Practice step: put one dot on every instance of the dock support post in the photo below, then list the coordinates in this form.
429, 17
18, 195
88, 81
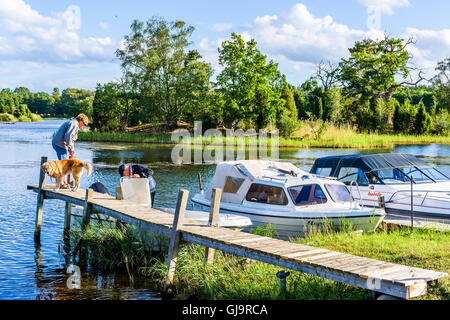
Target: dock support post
175, 237
213, 220
87, 211
66, 231
40, 203
67, 217
118, 197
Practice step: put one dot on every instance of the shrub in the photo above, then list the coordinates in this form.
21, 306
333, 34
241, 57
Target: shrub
441, 124
422, 123
287, 124
7, 117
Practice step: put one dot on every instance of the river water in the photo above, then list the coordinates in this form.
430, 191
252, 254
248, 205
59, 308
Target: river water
29, 272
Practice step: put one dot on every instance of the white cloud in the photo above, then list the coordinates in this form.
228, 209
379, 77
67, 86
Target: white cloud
298, 40
103, 25
299, 36
31, 36
221, 27
208, 49
385, 6
431, 46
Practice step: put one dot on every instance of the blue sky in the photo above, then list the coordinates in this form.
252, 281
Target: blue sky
46, 44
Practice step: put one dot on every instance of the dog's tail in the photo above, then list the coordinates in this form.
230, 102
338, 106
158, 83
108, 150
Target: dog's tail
88, 168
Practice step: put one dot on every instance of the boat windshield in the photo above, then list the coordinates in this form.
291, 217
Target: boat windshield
307, 194
338, 193
403, 175
393, 175
424, 174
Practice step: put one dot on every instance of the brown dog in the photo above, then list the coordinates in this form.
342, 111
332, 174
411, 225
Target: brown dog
60, 168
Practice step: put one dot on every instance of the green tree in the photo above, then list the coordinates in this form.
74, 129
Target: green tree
372, 71
107, 109
404, 115
289, 104
441, 125
75, 101
397, 126
423, 121
441, 85
335, 103
287, 117
299, 99
170, 79
319, 108
247, 78
41, 103
374, 65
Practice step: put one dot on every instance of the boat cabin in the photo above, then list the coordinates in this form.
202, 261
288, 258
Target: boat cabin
273, 183
381, 168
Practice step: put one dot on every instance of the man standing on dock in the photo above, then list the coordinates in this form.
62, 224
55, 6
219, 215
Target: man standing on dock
63, 141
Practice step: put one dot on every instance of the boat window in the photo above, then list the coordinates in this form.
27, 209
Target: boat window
307, 194
393, 175
266, 194
324, 172
232, 184
372, 178
338, 193
349, 174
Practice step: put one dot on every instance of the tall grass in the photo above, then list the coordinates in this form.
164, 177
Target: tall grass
231, 277
427, 248
115, 249
308, 135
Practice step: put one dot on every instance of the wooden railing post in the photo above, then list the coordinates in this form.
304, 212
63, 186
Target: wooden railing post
213, 220
118, 193
40, 202
175, 236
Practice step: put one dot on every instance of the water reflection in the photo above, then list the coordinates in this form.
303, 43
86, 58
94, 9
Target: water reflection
29, 272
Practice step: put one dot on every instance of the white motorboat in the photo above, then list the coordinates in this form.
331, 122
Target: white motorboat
291, 200
396, 177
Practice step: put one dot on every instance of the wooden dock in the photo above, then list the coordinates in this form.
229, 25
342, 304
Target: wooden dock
378, 276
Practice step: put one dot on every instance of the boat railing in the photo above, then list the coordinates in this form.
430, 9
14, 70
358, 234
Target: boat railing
351, 194
282, 179
417, 194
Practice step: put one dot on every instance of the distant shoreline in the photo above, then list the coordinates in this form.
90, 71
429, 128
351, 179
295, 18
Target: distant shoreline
360, 140
9, 118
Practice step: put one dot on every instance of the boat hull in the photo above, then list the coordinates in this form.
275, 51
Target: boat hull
286, 227
430, 201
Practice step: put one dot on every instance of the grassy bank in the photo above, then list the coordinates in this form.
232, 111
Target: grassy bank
309, 135
10, 118
239, 278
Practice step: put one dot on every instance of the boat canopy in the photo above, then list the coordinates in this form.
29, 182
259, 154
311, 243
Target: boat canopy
369, 162
235, 177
